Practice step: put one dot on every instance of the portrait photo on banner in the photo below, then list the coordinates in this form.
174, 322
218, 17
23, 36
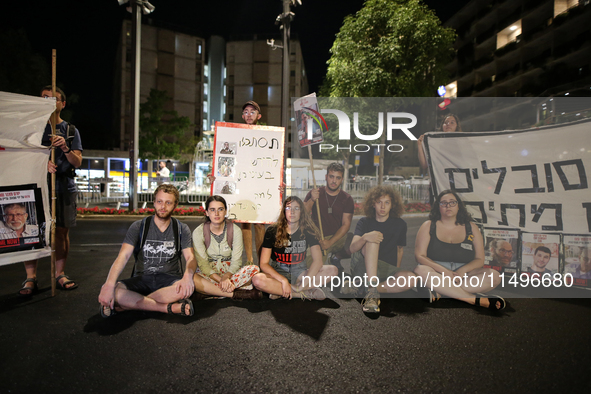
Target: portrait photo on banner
540, 253
501, 249
577, 258
22, 224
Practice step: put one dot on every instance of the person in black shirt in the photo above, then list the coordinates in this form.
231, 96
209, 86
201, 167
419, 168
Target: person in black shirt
377, 247
283, 255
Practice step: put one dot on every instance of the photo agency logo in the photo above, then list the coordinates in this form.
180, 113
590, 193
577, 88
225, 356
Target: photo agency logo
387, 122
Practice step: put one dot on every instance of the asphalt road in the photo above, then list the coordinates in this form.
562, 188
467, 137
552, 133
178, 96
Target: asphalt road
62, 344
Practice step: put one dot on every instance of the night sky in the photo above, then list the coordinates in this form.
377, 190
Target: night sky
85, 34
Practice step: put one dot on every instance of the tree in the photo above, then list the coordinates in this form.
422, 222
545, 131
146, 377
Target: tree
161, 130
390, 48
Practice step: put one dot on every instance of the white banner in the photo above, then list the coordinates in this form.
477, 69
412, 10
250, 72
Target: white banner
24, 162
248, 170
534, 180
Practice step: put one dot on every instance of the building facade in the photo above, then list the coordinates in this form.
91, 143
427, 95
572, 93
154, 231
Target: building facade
521, 48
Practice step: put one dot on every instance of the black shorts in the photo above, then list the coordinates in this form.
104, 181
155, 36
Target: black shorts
147, 284
65, 210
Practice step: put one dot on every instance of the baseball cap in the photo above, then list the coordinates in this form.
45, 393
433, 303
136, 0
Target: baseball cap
255, 105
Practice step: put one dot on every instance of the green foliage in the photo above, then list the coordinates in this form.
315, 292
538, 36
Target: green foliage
162, 130
390, 48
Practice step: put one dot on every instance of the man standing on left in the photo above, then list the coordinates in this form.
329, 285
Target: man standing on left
158, 283
68, 157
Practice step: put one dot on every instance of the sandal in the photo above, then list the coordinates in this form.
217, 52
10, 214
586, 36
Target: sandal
492, 301
67, 282
30, 290
427, 294
107, 311
183, 303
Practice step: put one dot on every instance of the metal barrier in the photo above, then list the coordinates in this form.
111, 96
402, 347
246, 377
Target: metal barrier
358, 190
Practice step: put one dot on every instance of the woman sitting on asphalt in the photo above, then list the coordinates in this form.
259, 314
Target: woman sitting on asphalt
220, 263
283, 256
449, 247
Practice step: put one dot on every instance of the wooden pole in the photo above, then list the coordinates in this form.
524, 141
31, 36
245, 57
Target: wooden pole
53, 123
317, 203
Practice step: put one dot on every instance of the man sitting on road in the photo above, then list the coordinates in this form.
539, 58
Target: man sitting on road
157, 284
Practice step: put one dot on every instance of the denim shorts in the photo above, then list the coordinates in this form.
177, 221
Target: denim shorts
289, 271
147, 284
450, 266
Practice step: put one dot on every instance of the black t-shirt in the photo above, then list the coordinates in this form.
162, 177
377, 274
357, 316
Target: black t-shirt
339, 204
394, 231
295, 252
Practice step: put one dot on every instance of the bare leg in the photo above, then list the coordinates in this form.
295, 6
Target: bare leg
62, 247
319, 280
266, 283
430, 276
247, 241
156, 302
402, 281
370, 253
31, 269
204, 286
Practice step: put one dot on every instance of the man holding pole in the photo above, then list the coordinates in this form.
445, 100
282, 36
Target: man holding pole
336, 211
68, 157
251, 113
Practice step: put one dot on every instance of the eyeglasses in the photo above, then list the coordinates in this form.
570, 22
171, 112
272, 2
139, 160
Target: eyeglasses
49, 97
292, 209
167, 203
445, 204
505, 251
246, 113
14, 215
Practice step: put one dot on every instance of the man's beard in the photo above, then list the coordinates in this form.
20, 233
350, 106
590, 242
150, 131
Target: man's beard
331, 189
165, 216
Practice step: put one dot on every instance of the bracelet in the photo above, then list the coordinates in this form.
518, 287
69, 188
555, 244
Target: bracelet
69, 150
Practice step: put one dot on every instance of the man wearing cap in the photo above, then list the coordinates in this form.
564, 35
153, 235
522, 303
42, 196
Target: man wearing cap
251, 113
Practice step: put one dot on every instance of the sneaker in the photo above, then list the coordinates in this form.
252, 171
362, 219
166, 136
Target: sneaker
371, 302
253, 294
274, 297
313, 294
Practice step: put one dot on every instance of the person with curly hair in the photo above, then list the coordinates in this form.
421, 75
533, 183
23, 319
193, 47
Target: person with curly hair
449, 251
377, 247
284, 270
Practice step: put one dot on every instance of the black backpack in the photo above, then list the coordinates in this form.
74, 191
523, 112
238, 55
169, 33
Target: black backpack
144, 227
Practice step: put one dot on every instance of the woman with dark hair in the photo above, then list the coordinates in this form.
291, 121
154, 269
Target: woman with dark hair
450, 124
220, 263
284, 270
450, 252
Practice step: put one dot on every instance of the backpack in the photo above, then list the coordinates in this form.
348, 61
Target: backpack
229, 231
144, 227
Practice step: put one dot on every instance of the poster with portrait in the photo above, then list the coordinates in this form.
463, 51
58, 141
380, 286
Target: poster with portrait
540, 253
309, 121
577, 259
22, 224
501, 249
249, 179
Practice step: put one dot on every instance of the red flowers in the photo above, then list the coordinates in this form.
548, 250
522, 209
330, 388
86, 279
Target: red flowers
181, 211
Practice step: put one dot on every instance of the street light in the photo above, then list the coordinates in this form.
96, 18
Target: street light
146, 8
